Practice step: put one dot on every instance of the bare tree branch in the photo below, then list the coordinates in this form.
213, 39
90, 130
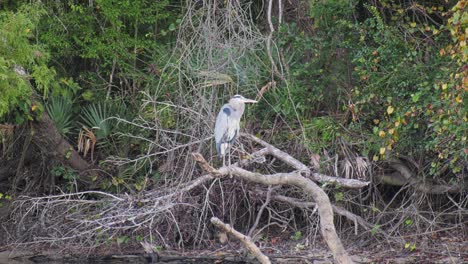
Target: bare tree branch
247, 241
294, 178
296, 164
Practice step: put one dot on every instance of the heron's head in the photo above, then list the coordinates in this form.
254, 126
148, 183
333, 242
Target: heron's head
236, 99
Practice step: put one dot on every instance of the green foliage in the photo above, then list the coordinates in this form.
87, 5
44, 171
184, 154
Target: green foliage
97, 117
66, 173
339, 196
410, 246
321, 132
401, 91
69, 175
61, 112
297, 236
317, 63
375, 229
326, 13
406, 94
18, 53
122, 240
408, 222
109, 40
4, 197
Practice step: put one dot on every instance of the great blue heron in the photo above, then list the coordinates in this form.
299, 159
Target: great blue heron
227, 124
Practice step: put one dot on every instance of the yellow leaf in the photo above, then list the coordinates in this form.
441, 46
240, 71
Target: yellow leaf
381, 133
382, 151
397, 123
458, 99
390, 110
376, 121
34, 108
375, 158
413, 24
391, 131
444, 86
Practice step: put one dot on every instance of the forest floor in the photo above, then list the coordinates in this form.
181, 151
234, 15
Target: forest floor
440, 248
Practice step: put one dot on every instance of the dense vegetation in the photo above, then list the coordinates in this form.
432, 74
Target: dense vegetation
368, 90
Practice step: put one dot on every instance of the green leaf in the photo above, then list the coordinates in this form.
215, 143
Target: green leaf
339, 196
60, 110
415, 97
122, 239
172, 27
297, 236
375, 229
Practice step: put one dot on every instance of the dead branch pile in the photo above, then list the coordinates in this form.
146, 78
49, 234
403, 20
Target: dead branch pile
93, 217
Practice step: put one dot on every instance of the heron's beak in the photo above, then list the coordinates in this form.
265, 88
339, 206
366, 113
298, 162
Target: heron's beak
249, 101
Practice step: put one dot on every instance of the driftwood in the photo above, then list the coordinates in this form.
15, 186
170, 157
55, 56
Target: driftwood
247, 241
299, 178
299, 166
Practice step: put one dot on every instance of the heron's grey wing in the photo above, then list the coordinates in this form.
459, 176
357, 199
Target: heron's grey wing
224, 129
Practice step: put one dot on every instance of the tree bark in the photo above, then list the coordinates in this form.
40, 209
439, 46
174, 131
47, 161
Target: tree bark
58, 147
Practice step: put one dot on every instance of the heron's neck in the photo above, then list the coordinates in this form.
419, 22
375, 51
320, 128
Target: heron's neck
238, 108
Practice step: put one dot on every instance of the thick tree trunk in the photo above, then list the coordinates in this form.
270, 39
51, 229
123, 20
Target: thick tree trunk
47, 135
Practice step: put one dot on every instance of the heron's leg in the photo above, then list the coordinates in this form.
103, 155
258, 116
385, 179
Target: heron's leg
229, 161
229, 153
224, 160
